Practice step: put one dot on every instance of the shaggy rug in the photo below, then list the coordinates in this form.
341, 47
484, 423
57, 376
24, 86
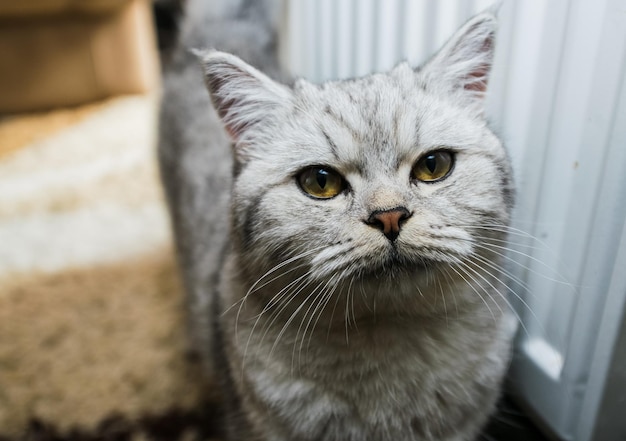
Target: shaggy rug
92, 342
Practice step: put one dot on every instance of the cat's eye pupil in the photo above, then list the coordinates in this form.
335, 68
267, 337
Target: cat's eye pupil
321, 182
322, 178
433, 166
431, 163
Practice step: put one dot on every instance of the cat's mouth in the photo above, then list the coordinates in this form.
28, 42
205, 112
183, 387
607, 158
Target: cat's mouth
395, 264
383, 263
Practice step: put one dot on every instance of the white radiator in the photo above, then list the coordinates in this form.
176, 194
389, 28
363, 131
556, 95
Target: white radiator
558, 98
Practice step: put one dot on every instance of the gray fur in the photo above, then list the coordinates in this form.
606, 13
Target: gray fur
194, 152
325, 329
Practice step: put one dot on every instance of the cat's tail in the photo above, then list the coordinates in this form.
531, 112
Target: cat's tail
263, 12
246, 28
193, 148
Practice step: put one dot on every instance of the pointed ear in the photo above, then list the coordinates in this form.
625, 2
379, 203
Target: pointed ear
464, 63
243, 97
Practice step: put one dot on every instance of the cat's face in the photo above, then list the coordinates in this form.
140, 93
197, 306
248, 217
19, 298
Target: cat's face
379, 176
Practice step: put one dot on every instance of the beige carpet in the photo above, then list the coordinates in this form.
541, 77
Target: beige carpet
91, 314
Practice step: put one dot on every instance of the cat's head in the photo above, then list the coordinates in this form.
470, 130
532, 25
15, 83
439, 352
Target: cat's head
387, 174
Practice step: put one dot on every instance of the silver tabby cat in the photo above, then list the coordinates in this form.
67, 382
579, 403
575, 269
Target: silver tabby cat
339, 242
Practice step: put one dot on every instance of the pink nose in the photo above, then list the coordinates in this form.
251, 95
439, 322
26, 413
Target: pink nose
389, 221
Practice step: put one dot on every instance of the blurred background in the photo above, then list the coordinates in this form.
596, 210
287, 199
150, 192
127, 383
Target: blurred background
86, 271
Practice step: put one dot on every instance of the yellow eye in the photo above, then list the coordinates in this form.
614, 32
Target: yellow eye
433, 166
321, 182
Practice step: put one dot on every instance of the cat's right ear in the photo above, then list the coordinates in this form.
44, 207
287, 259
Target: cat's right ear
463, 64
243, 97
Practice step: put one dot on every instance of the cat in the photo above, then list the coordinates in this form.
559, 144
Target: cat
338, 242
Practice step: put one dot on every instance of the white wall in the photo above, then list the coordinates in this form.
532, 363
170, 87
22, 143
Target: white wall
558, 98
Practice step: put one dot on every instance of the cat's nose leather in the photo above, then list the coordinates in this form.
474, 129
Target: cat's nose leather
389, 221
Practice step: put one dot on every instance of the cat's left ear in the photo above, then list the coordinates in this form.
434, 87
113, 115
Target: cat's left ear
463, 64
245, 98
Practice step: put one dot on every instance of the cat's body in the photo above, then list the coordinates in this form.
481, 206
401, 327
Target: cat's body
356, 295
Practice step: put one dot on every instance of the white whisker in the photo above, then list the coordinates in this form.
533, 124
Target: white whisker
490, 248
475, 290
290, 291
504, 271
317, 301
324, 299
448, 278
503, 297
291, 319
276, 299
242, 301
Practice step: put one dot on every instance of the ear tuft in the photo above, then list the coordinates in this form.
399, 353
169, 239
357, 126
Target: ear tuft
243, 97
464, 63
